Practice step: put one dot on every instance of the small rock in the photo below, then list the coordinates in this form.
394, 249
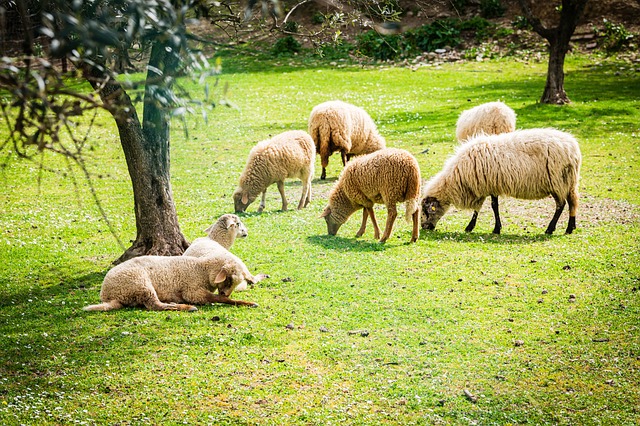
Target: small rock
572, 298
287, 280
289, 326
544, 292
540, 300
566, 267
518, 343
610, 382
324, 329
215, 318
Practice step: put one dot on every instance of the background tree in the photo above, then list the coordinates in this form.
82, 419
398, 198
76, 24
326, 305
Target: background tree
558, 38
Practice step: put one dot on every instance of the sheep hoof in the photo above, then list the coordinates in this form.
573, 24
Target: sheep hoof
192, 309
253, 305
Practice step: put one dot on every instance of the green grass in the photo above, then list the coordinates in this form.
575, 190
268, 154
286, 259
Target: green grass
381, 334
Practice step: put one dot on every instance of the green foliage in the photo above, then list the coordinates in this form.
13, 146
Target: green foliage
349, 331
614, 37
491, 8
379, 46
286, 46
291, 26
318, 18
443, 32
479, 26
521, 23
335, 50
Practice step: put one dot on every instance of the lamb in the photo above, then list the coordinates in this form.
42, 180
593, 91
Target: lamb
173, 283
491, 118
288, 155
224, 232
221, 236
387, 176
527, 164
339, 126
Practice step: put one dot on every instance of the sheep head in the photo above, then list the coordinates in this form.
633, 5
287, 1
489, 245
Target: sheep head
241, 200
228, 278
333, 223
432, 211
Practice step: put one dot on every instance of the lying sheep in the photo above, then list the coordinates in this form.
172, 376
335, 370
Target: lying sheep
527, 164
388, 176
491, 118
167, 283
287, 155
339, 126
224, 232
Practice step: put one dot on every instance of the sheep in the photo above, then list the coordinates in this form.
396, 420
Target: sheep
173, 283
527, 164
224, 232
221, 236
288, 155
339, 126
387, 176
491, 118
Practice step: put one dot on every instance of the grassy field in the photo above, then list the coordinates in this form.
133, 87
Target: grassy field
538, 329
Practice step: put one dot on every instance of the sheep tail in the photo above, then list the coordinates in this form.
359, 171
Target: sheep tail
411, 206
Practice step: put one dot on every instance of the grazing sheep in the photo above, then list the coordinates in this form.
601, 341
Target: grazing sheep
491, 118
166, 283
287, 155
339, 126
388, 176
527, 164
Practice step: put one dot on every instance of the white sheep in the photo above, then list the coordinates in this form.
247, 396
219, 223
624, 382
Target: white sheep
388, 176
527, 164
288, 155
221, 236
491, 118
340, 126
173, 283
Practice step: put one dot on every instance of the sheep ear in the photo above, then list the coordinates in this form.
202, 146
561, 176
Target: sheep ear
326, 212
222, 275
208, 229
231, 225
245, 198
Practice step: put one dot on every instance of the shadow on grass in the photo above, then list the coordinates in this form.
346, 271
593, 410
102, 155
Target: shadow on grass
341, 244
477, 237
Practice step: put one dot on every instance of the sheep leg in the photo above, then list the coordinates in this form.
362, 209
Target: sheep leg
262, 201
415, 233
284, 199
363, 226
496, 214
573, 207
344, 157
376, 230
554, 221
219, 298
391, 218
472, 223
324, 160
157, 305
305, 198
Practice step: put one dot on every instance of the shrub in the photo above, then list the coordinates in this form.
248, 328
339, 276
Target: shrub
291, 26
336, 50
444, 32
459, 5
286, 46
318, 18
480, 27
491, 9
378, 46
521, 23
614, 36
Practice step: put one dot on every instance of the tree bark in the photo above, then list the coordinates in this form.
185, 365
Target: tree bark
146, 150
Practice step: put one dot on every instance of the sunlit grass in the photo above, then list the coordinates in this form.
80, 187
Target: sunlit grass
540, 329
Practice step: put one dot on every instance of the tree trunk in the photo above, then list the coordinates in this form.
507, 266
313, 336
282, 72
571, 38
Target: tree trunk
554, 88
146, 150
